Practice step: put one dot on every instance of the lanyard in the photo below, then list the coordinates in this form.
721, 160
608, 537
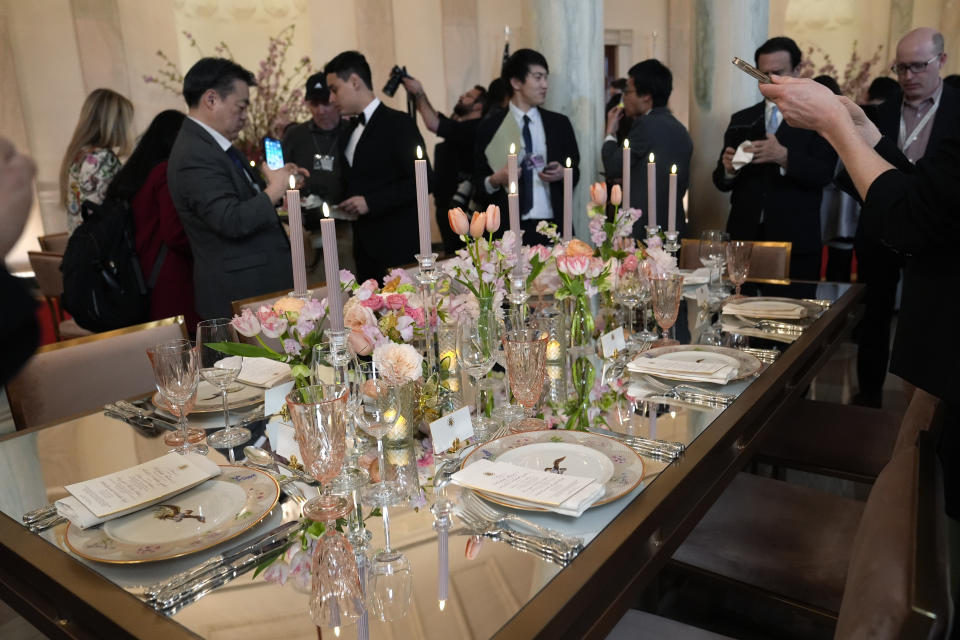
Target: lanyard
906, 140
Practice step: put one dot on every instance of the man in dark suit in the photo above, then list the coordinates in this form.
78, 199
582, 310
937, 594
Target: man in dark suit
654, 130
381, 187
776, 195
239, 248
547, 140
919, 120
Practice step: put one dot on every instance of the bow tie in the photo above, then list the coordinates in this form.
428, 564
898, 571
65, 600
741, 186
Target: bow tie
358, 120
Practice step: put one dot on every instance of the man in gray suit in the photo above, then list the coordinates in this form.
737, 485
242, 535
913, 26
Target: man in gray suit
655, 130
239, 248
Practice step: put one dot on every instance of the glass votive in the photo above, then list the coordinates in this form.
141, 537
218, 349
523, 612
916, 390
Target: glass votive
508, 416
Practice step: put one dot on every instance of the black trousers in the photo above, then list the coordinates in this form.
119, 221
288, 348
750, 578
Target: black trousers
878, 267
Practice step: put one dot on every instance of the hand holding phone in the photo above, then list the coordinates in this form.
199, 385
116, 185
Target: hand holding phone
273, 152
751, 70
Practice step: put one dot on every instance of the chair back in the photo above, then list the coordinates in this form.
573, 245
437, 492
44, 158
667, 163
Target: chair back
897, 584
769, 262
54, 243
77, 376
46, 269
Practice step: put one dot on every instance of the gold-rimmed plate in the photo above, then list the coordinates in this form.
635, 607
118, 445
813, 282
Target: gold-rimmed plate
747, 364
215, 511
209, 400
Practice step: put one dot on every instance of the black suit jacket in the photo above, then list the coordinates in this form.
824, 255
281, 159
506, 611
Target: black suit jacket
561, 144
383, 173
239, 248
790, 204
661, 133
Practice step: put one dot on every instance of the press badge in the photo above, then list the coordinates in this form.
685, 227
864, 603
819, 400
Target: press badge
322, 162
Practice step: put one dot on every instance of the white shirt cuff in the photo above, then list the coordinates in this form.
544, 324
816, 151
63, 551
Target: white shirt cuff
489, 187
610, 138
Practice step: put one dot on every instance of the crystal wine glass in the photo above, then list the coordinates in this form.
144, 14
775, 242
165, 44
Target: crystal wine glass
220, 370
336, 595
667, 292
389, 581
175, 438
176, 370
476, 348
711, 254
379, 411
628, 292
738, 263
526, 354
318, 413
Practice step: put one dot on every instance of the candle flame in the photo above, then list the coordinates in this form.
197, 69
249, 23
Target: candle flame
513, 187
513, 149
336, 631
442, 604
253, 164
419, 153
626, 143
673, 168
569, 164
326, 210
673, 414
293, 183
651, 157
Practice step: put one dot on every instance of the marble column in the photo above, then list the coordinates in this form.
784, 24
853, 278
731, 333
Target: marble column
722, 29
569, 33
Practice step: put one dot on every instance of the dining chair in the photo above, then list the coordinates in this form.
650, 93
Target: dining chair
319, 291
833, 560
76, 376
769, 263
54, 242
46, 270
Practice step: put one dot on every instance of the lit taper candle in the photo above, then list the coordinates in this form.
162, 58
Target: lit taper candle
295, 222
423, 208
626, 174
652, 192
672, 205
331, 266
568, 201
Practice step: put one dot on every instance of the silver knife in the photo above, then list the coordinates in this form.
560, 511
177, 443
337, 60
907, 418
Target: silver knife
673, 446
144, 426
270, 538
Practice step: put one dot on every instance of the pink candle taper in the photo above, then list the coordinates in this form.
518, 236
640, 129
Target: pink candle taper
423, 207
626, 174
295, 221
512, 165
672, 205
331, 267
652, 192
567, 202
513, 204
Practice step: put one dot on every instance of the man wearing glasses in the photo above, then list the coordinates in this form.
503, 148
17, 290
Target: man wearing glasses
926, 114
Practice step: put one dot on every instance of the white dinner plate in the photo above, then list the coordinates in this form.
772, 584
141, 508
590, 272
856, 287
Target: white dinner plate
573, 459
209, 399
746, 364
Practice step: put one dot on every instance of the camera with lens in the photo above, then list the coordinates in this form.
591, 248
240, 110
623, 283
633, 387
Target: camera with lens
397, 74
464, 191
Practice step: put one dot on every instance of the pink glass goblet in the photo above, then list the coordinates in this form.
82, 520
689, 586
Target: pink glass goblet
667, 293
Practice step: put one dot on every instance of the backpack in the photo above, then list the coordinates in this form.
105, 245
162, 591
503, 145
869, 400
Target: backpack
103, 285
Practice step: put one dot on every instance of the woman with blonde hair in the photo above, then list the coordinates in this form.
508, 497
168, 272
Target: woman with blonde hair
91, 158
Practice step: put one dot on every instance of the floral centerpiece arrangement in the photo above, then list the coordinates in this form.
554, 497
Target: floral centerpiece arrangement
484, 264
377, 314
613, 238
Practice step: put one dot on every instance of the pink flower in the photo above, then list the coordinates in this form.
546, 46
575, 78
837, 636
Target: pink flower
629, 264
367, 289
539, 250
356, 315
478, 224
458, 221
577, 247
246, 323
399, 363
313, 309
598, 193
396, 301
616, 195
595, 268
573, 265
304, 326
374, 302
493, 218
291, 347
273, 325
400, 275
418, 315
361, 345
346, 278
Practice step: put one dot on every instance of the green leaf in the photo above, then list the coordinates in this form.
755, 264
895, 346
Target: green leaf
300, 371
245, 350
270, 558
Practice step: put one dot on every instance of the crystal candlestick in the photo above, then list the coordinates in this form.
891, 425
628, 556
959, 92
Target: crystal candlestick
427, 278
653, 231
442, 510
518, 298
672, 243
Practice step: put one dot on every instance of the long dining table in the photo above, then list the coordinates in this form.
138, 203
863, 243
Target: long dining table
496, 592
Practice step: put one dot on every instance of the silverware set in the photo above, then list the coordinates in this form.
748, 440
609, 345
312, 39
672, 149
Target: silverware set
768, 356
658, 449
689, 392
773, 326
46, 517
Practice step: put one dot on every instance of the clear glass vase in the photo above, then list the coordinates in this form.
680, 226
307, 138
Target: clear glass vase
583, 372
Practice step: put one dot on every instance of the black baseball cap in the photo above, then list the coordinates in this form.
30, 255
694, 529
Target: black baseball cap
317, 90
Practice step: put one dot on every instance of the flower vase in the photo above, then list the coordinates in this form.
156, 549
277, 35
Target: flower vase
582, 370
408, 422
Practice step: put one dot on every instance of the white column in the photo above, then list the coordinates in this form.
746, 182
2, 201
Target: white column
569, 33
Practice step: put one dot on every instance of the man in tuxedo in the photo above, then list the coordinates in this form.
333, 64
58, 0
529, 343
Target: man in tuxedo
776, 194
547, 141
239, 248
654, 130
919, 120
380, 149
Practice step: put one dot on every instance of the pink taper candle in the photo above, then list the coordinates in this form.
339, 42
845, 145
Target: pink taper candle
423, 208
672, 205
652, 192
295, 221
626, 174
512, 165
568, 202
331, 267
513, 204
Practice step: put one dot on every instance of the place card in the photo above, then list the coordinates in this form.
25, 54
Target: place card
275, 398
142, 485
612, 343
529, 485
453, 426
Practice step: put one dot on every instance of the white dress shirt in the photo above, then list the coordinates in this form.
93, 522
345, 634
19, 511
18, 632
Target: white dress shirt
358, 131
541, 209
225, 144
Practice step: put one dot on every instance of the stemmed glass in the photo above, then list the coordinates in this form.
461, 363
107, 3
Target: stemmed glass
711, 254
220, 370
176, 370
378, 412
643, 271
738, 263
628, 291
390, 581
476, 348
318, 413
336, 593
526, 355
667, 292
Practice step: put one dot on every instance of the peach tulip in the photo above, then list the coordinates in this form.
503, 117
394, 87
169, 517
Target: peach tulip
577, 247
598, 193
458, 221
616, 195
493, 218
478, 224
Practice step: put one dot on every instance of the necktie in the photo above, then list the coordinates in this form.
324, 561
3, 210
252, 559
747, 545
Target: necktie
774, 120
526, 177
241, 164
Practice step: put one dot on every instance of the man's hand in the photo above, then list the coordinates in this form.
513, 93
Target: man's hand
499, 179
278, 180
613, 120
552, 172
768, 150
865, 126
16, 193
355, 205
727, 159
413, 86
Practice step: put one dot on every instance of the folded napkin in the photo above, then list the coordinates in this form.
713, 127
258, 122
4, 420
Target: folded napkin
96, 501
731, 324
710, 370
260, 372
697, 276
742, 157
772, 309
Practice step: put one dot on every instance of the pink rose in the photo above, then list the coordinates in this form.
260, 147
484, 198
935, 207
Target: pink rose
356, 315
246, 323
373, 302
360, 344
396, 301
418, 316
629, 264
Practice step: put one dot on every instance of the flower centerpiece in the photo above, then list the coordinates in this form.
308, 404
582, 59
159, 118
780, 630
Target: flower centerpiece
376, 314
612, 237
401, 366
484, 264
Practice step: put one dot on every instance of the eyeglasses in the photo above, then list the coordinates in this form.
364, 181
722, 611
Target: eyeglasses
913, 67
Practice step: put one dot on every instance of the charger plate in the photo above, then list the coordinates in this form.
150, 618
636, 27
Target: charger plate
609, 461
229, 504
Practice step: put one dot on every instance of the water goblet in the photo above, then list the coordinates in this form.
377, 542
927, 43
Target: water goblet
628, 292
176, 370
646, 296
667, 293
175, 439
738, 263
526, 355
380, 409
336, 597
220, 370
318, 413
711, 254
390, 581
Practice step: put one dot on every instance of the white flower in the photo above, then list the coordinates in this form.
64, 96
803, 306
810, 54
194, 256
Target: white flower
398, 363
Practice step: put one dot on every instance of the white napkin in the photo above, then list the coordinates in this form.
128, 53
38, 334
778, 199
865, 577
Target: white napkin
665, 367
742, 157
261, 372
765, 309
574, 507
80, 516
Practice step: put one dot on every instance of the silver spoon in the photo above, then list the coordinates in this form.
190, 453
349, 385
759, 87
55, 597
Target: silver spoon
262, 458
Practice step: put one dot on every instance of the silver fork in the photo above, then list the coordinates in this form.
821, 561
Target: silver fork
693, 392
545, 547
472, 503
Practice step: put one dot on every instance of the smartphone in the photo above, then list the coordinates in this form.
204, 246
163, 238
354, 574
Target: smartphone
273, 152
751, 70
